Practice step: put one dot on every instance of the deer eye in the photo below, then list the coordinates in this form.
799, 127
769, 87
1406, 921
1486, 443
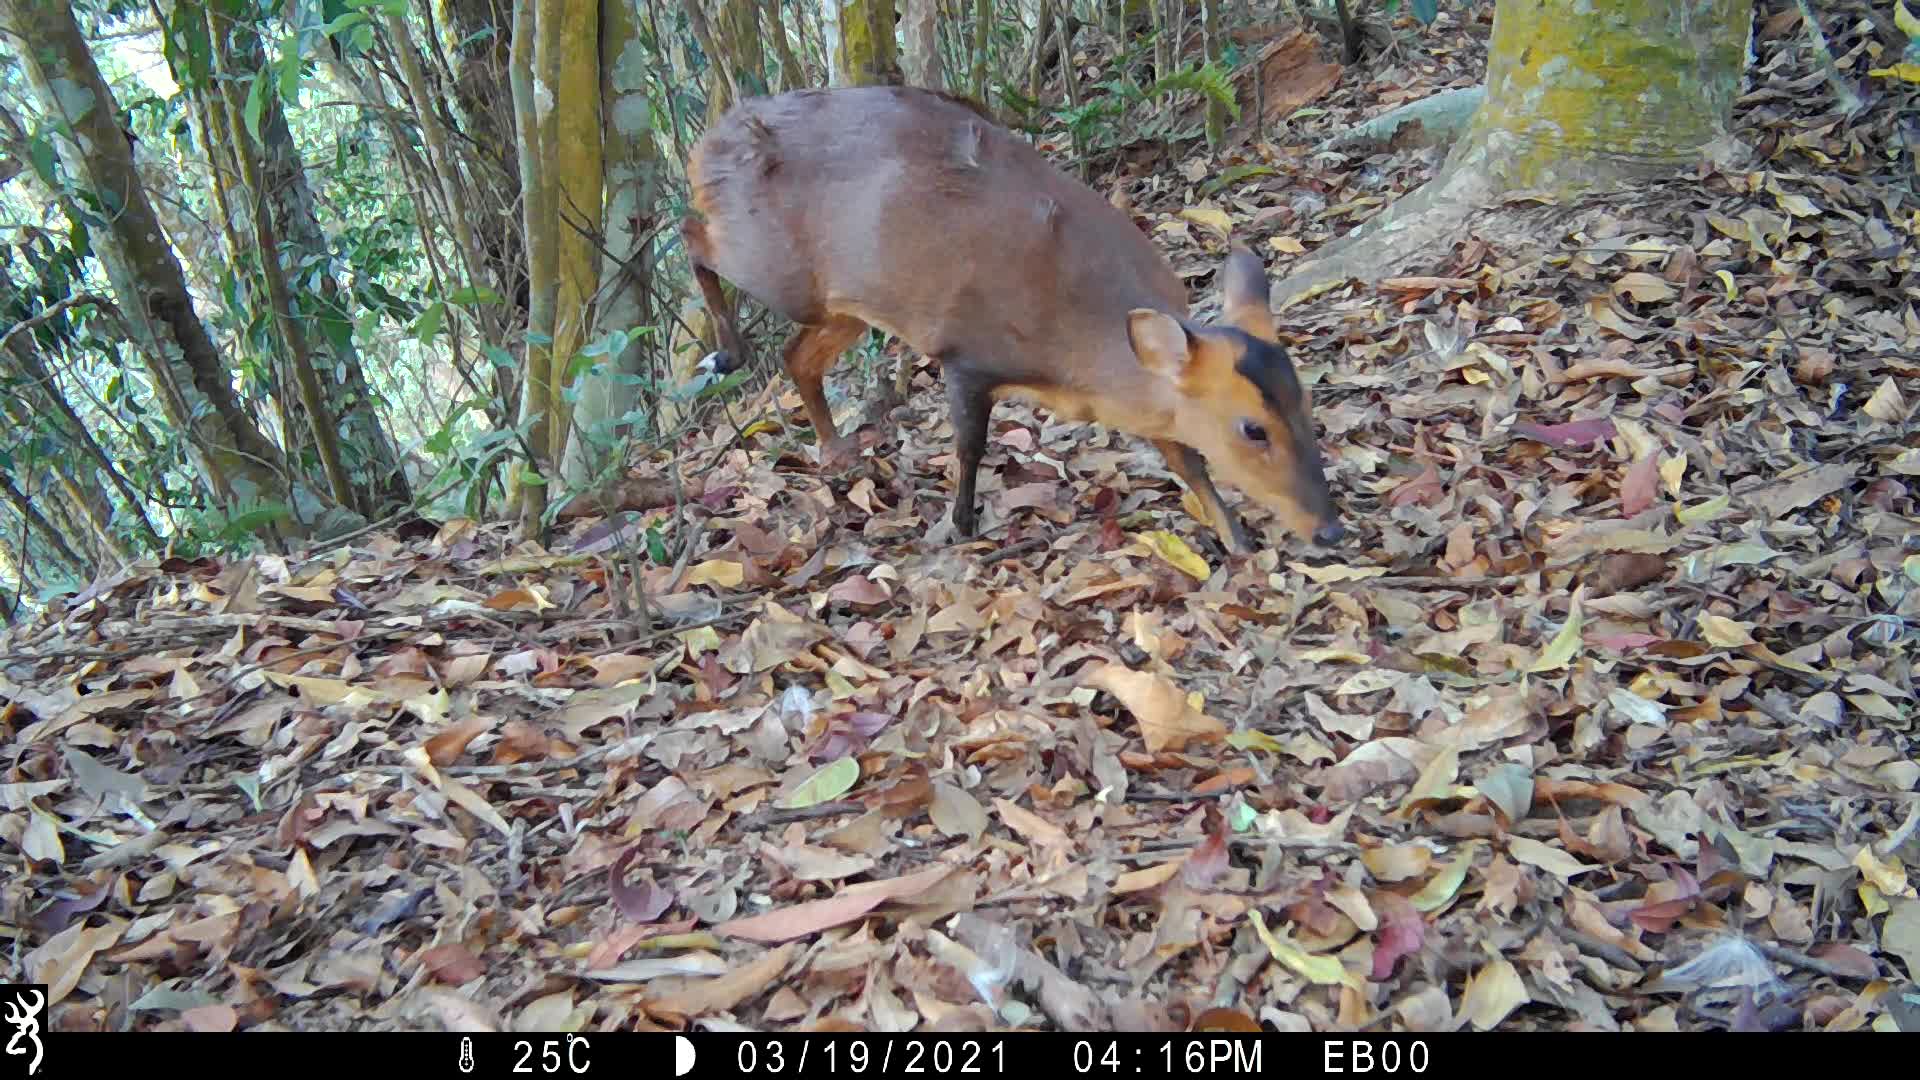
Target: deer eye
1253, 432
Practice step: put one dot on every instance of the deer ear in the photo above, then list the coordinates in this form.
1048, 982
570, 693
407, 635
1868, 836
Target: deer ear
1243, 294
1160, 341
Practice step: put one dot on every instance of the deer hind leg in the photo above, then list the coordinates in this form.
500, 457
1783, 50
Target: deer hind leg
809, 354
1191, 468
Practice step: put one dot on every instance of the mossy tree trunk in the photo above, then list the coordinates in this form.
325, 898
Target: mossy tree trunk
557, 102
614, 389
1604, 90
1577, 98
868, 55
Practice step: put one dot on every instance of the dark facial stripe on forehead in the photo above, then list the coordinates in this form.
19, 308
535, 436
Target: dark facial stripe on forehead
1267, 367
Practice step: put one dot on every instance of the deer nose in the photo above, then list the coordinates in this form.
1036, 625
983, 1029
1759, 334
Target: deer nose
1329, 534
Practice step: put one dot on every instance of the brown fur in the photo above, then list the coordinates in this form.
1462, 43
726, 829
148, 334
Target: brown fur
909, 211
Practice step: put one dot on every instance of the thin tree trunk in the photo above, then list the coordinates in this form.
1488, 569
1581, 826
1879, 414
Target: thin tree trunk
920, 62
920, 31
578, 161
371, 458
440, 160
792, 75
738, 35
1037, 56
195, 387
293, 336
90, 507
982, 42
49, 397
561, 168
1162, 39
633, 182
721, 91
533, 51
482, 32
1210, 42
37, 524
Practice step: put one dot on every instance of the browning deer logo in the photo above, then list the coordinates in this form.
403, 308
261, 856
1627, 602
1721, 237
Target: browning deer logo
23, 1012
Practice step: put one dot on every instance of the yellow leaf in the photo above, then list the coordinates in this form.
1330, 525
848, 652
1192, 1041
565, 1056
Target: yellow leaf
1560, 651
1396, 862
1491, 994
1332, 654
1439, 890
1702, 513
1671, 470
700, 639
1326, 574
1733, 291
1175, 551
1254, 740
474, 803
1643, 287
722, 572
1209, 218
839, 686
1889, 877
1167, 720
1765, 655
1723, 633
1905, 20
1435, 783
1324, 970
830, 782
1887, 404
1370, 681
1545, 856
1198, 510
1797, 205
1287, 245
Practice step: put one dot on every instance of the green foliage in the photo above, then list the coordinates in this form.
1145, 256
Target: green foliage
185, 45
1233, 175
1424, 10
1209, 80
468, 470
226, 531
1108, 114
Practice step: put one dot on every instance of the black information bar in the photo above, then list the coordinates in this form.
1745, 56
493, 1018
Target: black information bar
700, 1055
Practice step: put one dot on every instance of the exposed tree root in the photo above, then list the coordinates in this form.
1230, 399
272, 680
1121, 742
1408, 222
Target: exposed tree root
1436, 120
1422, 225
1414, 229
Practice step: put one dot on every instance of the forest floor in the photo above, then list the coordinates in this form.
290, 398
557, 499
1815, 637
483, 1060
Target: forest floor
1602, 719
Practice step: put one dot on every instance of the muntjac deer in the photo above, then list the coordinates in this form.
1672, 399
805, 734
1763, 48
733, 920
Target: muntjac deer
910, 211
